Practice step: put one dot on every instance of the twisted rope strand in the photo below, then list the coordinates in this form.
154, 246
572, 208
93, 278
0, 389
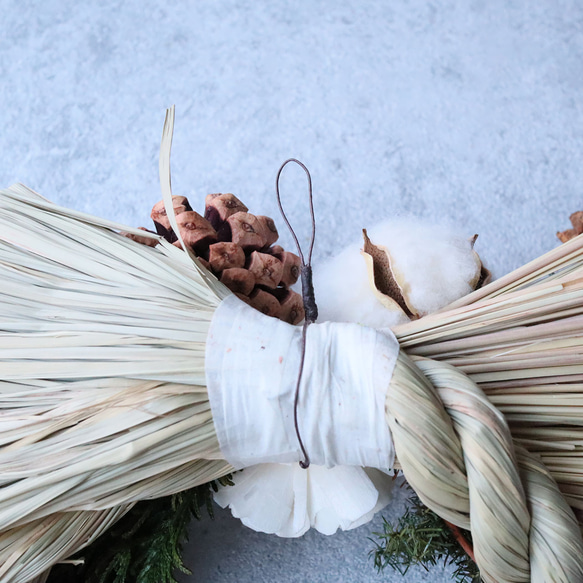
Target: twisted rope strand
511, 544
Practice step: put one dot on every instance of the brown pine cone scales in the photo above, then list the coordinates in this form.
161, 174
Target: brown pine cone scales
239, 248
197, 233
577, 222
267, 269
265, 302
238, 280
292, 304
160, 219
268, 230
225, 255
219, 207
291, 267
143, 240
245, 230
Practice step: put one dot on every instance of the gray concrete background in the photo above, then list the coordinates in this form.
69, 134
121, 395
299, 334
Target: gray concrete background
462, 112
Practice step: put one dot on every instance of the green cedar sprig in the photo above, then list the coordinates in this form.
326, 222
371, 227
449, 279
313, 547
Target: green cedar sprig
145, 546
421, 537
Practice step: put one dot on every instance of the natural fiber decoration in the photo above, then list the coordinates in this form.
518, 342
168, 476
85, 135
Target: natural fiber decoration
104, 402
103, 389
521, 340
498, 507
30, 550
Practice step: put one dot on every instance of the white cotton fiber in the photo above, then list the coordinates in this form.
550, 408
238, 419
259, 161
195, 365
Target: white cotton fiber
438, 264
343, 292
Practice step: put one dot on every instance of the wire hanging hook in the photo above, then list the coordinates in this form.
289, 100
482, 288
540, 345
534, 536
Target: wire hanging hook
310, 307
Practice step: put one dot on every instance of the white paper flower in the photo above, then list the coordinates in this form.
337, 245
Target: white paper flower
286, 500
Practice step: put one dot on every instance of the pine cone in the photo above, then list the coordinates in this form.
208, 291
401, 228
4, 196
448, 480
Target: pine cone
238, 248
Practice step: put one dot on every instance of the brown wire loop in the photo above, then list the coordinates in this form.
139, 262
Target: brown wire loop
310, 307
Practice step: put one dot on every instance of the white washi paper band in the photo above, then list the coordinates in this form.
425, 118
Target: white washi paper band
252, 364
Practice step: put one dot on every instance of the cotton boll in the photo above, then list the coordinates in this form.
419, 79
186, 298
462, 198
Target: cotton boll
436, 264
344, 294
439, 264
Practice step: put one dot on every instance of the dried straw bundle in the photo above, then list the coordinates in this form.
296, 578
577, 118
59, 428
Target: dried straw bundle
103, 399
520, 340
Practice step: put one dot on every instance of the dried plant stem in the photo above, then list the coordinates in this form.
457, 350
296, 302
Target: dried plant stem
461, 539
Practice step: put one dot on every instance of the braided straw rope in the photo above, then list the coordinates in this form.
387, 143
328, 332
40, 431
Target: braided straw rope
520, 339
441, 421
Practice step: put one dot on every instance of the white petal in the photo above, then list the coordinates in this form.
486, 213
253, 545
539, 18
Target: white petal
268, 498
384, 485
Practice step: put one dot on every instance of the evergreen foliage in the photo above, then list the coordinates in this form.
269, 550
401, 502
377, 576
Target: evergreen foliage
421, 537
145, 546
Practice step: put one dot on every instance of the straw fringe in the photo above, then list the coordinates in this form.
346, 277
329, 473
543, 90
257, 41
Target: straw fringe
103, 399
28, 552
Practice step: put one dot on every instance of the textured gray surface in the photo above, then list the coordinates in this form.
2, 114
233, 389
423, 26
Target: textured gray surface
466, 112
